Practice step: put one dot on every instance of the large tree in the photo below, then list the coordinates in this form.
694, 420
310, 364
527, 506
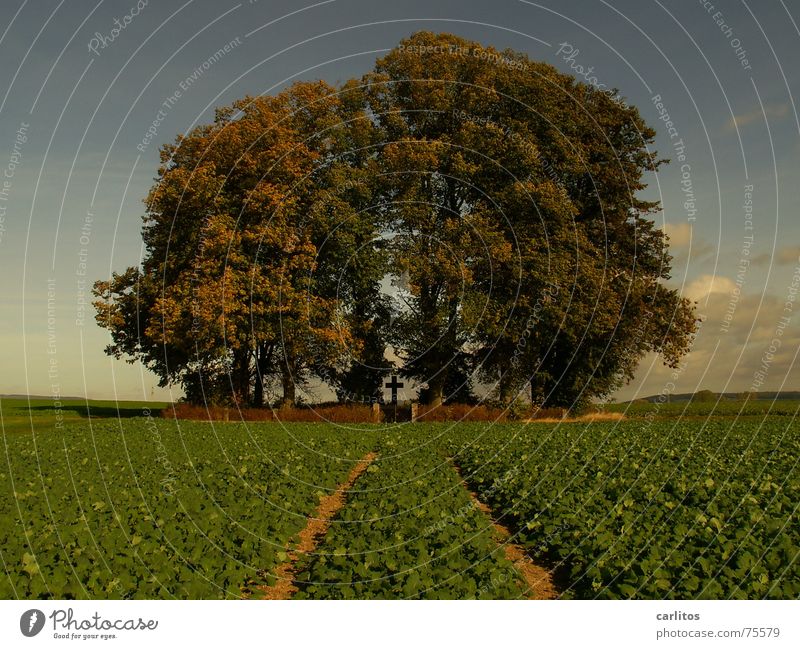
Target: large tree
500, 197
255, 246
518, 225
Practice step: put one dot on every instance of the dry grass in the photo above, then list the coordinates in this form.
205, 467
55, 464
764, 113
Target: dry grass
345, 414
589, 417
602, 416
339, 414
360, 414
553, 414
460, 412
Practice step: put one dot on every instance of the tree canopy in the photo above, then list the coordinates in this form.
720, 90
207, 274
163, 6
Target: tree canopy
496, 196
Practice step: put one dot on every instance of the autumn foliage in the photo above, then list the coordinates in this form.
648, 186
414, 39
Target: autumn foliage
498, 197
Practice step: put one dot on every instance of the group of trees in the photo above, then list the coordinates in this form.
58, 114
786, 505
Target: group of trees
495, 195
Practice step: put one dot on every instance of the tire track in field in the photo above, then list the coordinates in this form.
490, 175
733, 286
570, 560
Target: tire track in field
311, 535
539, 580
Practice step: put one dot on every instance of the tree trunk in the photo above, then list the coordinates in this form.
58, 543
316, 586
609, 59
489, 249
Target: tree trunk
436, 390
289, 393
258, 389
241, 377
504, 387
262, 362
537, 392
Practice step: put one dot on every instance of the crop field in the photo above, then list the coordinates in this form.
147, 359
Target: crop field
145, 507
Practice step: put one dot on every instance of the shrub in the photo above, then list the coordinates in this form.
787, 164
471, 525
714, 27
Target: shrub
461, 412
340, 414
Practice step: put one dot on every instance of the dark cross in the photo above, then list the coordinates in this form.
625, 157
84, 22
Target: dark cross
393, 385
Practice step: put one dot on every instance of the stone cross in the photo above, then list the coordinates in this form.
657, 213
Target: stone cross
393, 385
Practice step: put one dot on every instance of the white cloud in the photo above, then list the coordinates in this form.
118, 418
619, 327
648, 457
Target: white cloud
680, 234
788, 255
684, 246
707, 285
774, 111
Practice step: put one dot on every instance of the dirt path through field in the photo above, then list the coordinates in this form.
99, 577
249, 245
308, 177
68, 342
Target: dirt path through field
312, 534
538, 579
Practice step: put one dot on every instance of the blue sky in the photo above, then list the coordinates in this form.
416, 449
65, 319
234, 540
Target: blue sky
71, 119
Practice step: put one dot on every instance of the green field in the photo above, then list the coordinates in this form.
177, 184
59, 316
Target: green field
39, 415
141, 507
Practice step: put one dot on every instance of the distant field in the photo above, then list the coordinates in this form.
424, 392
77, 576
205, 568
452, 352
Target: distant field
21, 415
153, 508
723, 408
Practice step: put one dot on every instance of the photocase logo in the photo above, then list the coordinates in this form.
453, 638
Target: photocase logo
31, 622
